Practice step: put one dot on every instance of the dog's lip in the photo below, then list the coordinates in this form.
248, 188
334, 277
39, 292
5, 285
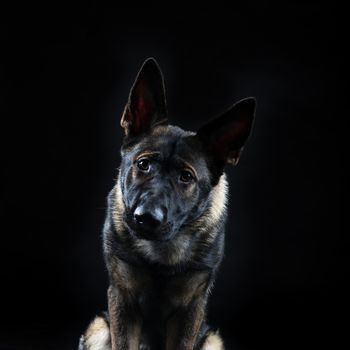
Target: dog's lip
160, 236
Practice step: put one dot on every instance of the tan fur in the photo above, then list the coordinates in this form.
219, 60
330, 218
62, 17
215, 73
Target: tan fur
118, 209
97, 336
213, 342
218, 201
147, 154
169, 253
160, 130
213, 215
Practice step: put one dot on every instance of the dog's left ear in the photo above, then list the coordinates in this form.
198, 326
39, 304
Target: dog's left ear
146, 106
224, 137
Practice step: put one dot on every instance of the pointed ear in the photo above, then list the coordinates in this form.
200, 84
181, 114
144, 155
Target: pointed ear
224, 137
146, 106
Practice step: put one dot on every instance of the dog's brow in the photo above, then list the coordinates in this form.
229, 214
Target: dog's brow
147, 154
188, 165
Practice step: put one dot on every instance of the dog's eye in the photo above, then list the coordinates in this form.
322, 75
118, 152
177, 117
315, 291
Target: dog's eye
186, 176
143, 164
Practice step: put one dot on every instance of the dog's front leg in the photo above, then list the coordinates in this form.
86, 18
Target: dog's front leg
184, 326
125, 321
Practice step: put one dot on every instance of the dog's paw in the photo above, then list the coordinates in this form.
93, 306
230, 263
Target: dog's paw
213, 341
97, 336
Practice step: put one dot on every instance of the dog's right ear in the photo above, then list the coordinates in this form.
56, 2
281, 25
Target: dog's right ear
146, 106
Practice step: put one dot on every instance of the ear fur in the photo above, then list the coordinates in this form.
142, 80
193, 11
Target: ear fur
146, 105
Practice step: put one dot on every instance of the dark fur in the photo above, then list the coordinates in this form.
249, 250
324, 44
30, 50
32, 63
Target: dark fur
163, 237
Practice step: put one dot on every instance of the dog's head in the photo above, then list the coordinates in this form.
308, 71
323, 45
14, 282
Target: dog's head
167, 174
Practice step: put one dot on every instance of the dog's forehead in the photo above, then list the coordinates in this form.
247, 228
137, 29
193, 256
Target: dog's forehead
172, 141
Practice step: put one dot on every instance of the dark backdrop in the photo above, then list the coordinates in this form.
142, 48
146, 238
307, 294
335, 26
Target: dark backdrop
65, 80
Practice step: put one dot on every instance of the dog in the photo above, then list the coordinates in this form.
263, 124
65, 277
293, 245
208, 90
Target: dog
163, 237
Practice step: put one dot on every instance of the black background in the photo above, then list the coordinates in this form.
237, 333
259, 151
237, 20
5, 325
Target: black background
65, 79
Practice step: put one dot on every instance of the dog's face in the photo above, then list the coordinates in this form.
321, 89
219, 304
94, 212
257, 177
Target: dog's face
167, 174
165, 183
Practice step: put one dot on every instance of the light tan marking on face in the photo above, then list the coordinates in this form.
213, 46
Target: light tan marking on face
97, 336
118, 208
213, 214
147, 154
213, 342
160, 130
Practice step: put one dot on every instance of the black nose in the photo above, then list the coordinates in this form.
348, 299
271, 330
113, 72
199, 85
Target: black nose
149, 219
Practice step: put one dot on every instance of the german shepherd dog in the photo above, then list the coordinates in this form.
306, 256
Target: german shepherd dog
163, 238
